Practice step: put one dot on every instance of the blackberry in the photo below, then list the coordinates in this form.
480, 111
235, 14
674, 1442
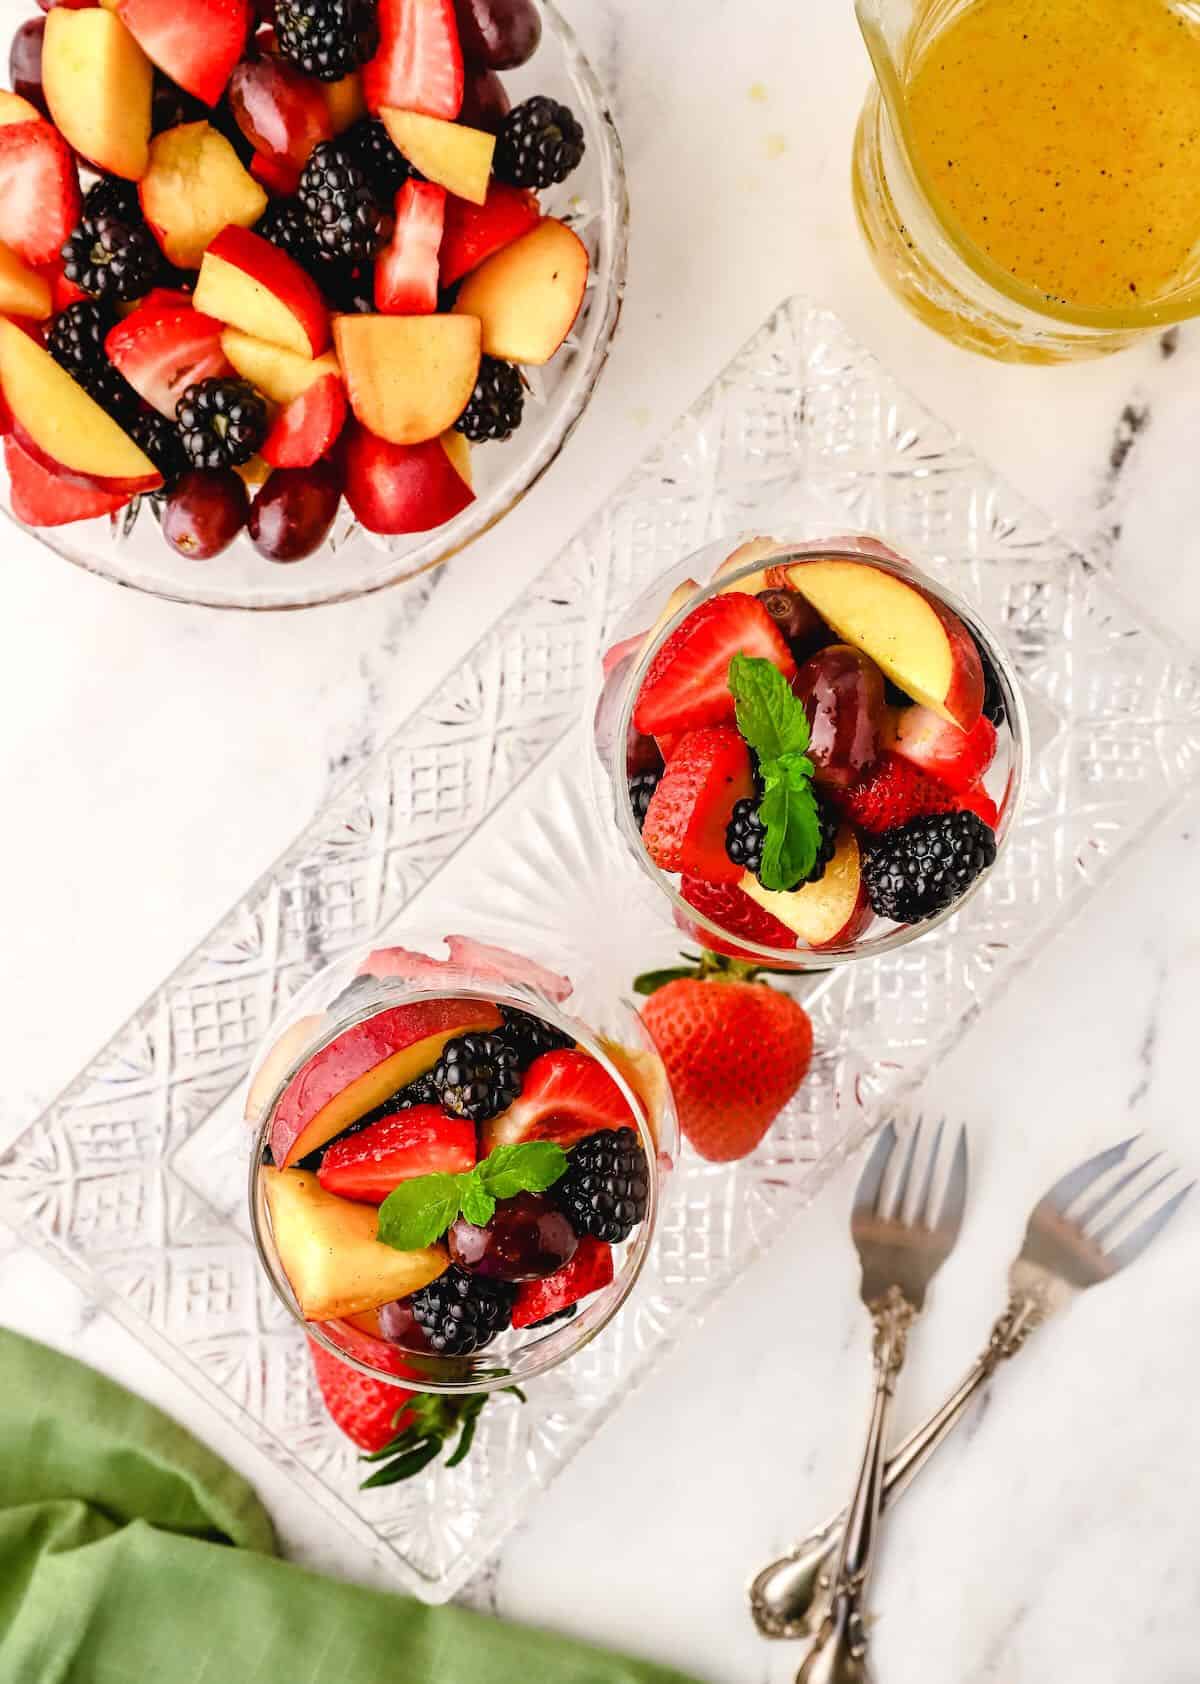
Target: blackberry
421, 1091
477, 1076
345, 219
746, 834
286, 226
111, 253
496, 405
460, 1313
112, 392
530, 1036
76, 341
540, 142
918, 868
641, 789
386, 167
993, 695
221, 422
326, 38
606, 1185
155, 435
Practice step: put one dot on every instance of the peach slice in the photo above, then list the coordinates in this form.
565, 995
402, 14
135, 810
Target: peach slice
280, 375
528, 294
647, 1076
833, 910
14, 109
280, 1057
459, 452
194, 187
330, 1254
252, 285
921, 646
23, 292
98, 85
363, 1065
456, 157
408, 378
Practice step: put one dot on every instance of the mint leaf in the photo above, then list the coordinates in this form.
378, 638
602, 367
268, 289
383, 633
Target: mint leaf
788, 810
529, 1168
478, 1205
419, 1211
769, 716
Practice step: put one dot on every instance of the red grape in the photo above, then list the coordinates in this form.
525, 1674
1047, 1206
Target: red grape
25, 63
498, 34
842, 690
281, 113
294, 510
485, 101
797, 619
526, 1240
399, 1326
204, 512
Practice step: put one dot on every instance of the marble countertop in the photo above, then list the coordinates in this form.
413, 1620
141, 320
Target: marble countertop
155, 759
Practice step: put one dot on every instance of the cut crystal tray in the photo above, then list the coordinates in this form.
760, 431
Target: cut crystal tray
477, 815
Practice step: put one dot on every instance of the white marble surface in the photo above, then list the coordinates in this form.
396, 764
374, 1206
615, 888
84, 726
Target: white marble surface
154, 759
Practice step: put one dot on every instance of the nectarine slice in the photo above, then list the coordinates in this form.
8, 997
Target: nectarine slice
23, 292
252, 285
528, 294
834, 909
279, 374
647, 1076
408, 378
98, 85
14, 109
193, 187
459, 452
288, 1048
456, 157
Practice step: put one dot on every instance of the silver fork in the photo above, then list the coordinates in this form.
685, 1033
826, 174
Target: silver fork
1065, 1251
900, 1254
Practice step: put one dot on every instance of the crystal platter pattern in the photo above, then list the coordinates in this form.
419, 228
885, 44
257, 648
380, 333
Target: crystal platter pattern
477, 814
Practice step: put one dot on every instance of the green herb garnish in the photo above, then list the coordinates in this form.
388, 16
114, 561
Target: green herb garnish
418, 1212
774, 723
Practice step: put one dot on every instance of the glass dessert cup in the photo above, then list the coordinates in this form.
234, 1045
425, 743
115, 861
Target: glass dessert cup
748, 567
331, 1017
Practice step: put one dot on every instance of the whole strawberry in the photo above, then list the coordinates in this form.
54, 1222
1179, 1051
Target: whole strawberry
367, 1410
735, 1050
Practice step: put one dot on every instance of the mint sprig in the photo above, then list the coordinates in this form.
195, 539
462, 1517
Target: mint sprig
418, 1211
774, 723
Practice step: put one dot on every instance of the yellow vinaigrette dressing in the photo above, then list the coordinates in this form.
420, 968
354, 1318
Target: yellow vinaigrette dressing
1063, 138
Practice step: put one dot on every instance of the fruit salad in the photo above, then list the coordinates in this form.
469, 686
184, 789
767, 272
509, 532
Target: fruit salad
817, 755
257, 256
439, 1171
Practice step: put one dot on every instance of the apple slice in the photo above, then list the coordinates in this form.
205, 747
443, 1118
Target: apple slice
252, 285
408, 378
394, 488
920, 645
278, 1061
833, 910
14, 109
23, 292
456, 157
363, 1065
528, 295
280, 375
61, 427
330, 1254
194, 187
99, 86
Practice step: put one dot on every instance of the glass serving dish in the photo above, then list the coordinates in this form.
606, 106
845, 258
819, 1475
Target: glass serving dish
129, 548
641, 633
348, 994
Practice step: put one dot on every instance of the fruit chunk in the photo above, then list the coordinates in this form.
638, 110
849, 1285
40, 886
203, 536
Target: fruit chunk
590, 1270
408, 378
458, 158
419, 64
395, 488
61, 427
420, 1141
40, 498
474, 232
892, 792
282, 113
406, 271
23, 292
252, 285
194, 187
196, 45
728, 905
306, 429
687, 684
842, 691
279, 375
362, 1066
921, 646
955, 757
14, 109
164, 346
565, 1095
832, 910
39, 191
528, 295
329, 1252
646, 1075
500, 34
459, 452
279, 1059
98, 85
689, 812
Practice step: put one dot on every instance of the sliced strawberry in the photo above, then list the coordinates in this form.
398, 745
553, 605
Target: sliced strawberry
306, 429
406, 271
196, 45
668, 742
589, 1271
955, 757
498, 964
39, 190
474, 232
419, 65
731, 907
422, 1141
565, 1096
977, 800
690, 810
891, 792
40, 498
164, 346
688, 681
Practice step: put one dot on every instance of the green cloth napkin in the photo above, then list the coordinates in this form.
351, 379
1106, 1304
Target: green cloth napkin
115, 1566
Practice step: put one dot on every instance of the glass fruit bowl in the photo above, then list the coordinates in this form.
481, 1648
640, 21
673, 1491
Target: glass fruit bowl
916, 736
128, 547
346, 1112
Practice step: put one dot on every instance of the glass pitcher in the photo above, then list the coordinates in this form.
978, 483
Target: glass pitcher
922, 249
